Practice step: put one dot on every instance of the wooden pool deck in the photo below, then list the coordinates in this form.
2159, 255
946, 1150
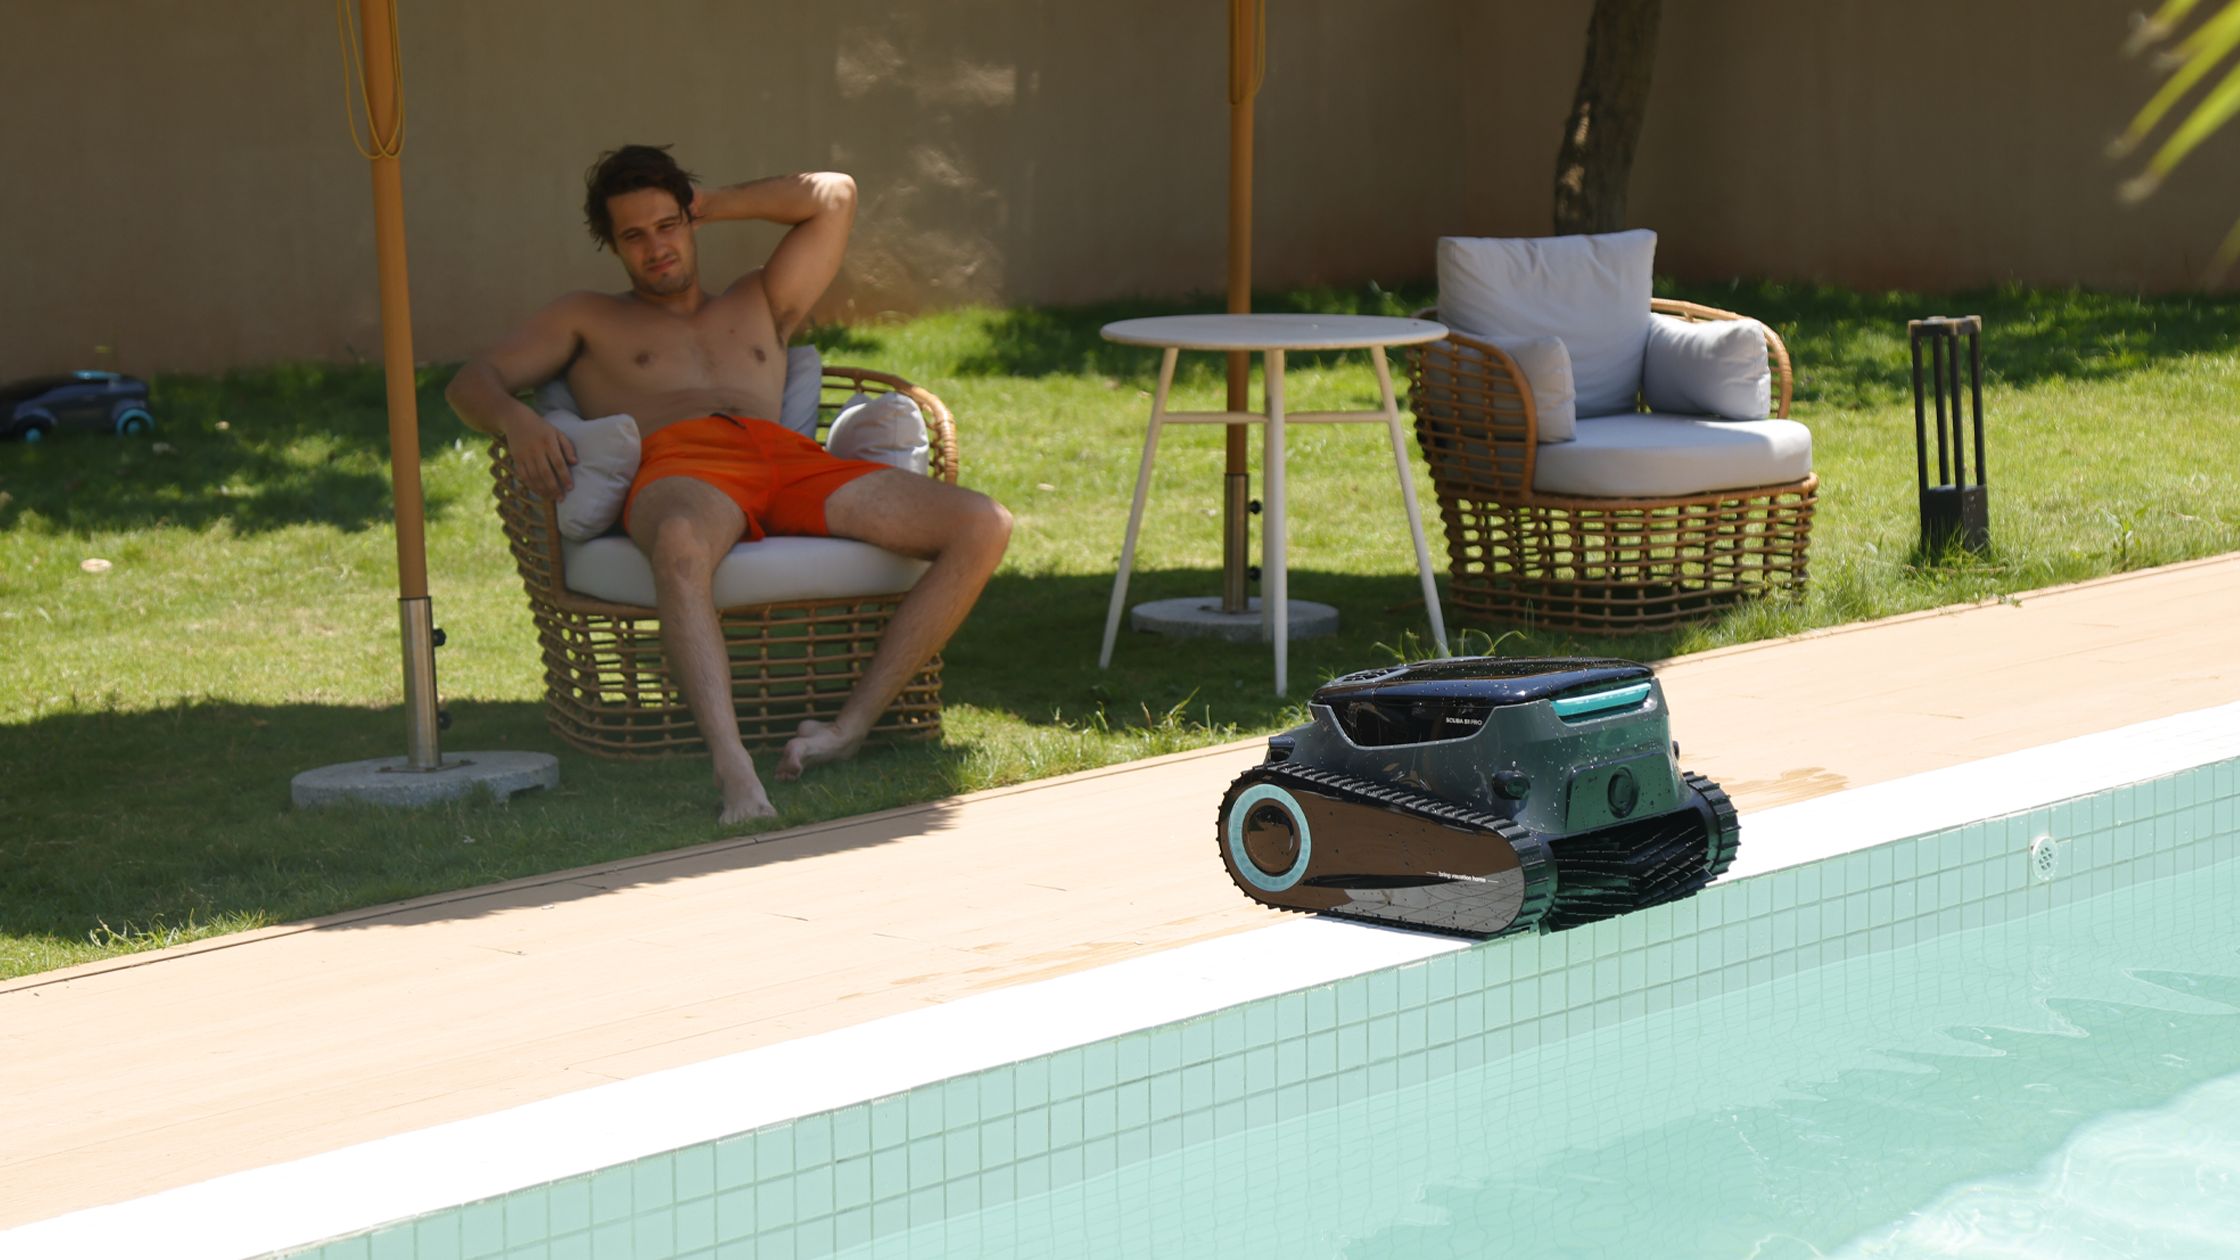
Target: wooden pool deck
157, 1070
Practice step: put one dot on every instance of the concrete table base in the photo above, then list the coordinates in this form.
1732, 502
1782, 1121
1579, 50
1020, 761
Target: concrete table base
1201, 618
385, 781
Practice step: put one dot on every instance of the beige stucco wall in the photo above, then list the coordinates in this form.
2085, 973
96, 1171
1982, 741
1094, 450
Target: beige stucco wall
180, 185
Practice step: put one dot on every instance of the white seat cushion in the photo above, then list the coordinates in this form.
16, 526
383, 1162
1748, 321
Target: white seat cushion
1590, 292
1648, 455
771, 571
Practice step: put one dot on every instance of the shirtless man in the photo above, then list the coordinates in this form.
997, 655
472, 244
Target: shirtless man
703, 374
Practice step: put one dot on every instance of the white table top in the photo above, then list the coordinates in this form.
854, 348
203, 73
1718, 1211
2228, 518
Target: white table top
1273, 332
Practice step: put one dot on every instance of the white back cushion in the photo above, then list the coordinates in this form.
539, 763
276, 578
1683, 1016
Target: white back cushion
1712, 367
888, 429
1590, 292
804, 387
1644, 455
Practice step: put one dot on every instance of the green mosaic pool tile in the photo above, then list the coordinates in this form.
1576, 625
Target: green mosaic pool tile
1322, 1008
960, 1102
890, 1123
1100, 1114
1353, 1046
1065, 1164
1353, 999
1030, 1133
851, 1228
997, 1184
1132, 1102
1133, 1054
1553, 988
613, 1241
1197, 1040
851, 1182
773, 1199
813, 1239
813, 1190
1412, 985
654, 1233
890, 1172
436, 1237
1066, 1121
525, 1216
695, 1222
653, 1180
1229, 1034
891, 1216
1100, 1066
1382, 1035
610, 1194
925, 1160
569, 1247
1322, 1056
1030, 1083
1100, 1156
391, 1243
926, 1111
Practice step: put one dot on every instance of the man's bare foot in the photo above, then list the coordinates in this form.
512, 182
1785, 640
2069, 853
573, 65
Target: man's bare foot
743, 797
815, 743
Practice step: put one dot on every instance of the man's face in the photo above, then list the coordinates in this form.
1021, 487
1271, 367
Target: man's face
654, 240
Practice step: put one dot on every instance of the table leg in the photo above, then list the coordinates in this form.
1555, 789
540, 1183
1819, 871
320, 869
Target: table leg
1408, 497
1275, 609
1135, 510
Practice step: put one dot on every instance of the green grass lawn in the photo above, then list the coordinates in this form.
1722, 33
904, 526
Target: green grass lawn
151, 715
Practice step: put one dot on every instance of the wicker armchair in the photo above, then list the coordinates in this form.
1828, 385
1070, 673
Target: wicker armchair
1516, 555
607, 684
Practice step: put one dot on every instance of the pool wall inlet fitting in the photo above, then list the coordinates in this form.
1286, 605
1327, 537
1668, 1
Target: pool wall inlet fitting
1478, 796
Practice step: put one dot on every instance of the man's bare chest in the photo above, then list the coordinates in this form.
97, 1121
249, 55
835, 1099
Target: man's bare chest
722, 345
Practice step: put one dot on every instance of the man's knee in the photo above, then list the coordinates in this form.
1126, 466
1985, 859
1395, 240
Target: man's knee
679, 553
982, 523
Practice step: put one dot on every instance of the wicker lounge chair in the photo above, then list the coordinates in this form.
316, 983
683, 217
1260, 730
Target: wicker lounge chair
607, 684
1521, 552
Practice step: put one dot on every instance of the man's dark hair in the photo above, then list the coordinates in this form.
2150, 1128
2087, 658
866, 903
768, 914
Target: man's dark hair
628, 169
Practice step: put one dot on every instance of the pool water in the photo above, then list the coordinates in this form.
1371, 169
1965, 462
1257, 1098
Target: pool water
2061, 1083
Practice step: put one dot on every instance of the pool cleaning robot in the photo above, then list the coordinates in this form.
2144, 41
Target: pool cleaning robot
1478, 796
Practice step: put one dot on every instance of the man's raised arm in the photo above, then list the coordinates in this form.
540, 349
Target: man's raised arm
821, 206
483, 395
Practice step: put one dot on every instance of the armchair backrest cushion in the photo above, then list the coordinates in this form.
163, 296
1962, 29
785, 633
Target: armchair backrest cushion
1590, 292
888, 429
1710, 367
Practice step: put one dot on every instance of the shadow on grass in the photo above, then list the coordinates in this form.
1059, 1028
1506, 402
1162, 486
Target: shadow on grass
1851, 348
1044, 670
263, 450
139, 825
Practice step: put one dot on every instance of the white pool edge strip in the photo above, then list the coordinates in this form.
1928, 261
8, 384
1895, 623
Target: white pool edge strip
346, 1191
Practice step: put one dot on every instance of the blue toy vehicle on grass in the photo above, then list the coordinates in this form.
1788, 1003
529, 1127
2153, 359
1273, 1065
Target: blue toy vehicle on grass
108, 402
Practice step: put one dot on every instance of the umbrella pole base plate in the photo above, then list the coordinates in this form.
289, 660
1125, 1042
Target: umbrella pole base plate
390, 781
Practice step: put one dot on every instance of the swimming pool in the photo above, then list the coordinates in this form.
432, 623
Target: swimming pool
1781, 1064
1916, 1046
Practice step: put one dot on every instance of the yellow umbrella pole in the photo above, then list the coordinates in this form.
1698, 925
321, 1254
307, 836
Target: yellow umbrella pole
1248, 65
381, 82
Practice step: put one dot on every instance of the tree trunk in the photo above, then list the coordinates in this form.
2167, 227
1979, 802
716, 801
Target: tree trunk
1596, 159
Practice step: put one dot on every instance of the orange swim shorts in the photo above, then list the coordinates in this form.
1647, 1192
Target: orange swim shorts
779, 478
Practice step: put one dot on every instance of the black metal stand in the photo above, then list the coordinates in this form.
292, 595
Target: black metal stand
1951, 509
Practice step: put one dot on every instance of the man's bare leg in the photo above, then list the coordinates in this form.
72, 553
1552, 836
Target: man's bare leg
963, 533
685, 527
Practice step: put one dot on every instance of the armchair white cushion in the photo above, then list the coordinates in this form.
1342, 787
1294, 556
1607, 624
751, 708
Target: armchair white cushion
1590, 292
767, 571
1649, 455
1709, 367
1546, 365
599, 482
